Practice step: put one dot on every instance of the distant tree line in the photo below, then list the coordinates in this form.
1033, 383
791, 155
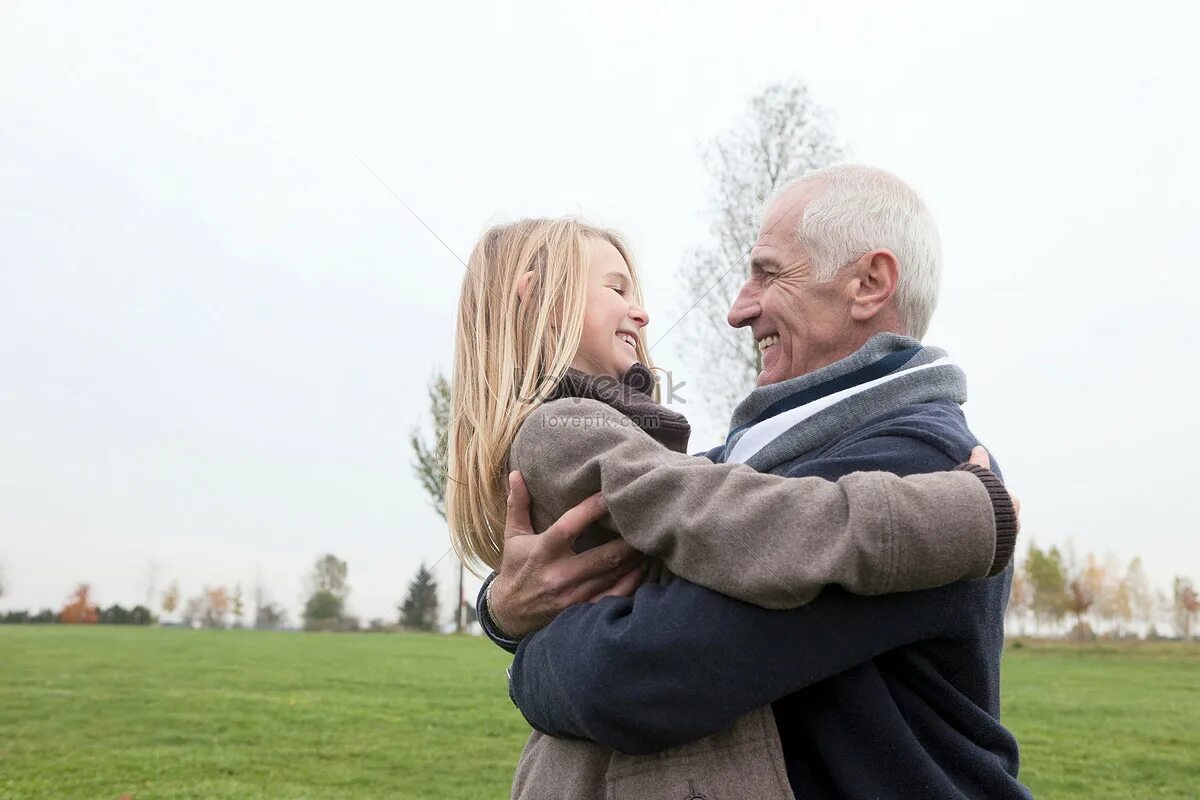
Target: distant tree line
325, 609
1062, 593
1055, 592
80, 610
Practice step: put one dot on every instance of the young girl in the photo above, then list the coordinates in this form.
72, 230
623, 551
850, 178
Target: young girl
551, 377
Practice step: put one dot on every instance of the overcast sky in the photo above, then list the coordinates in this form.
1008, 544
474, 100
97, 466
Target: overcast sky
216, 325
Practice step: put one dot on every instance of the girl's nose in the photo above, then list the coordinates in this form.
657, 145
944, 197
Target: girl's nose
639, 315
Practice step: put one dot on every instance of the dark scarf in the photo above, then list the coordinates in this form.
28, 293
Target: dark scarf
632, 396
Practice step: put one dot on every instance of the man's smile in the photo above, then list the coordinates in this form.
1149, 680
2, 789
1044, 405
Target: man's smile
769, 340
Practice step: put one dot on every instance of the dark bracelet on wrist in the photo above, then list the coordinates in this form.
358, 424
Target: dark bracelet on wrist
488, 622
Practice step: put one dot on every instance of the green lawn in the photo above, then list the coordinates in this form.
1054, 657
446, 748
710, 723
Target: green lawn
97, 712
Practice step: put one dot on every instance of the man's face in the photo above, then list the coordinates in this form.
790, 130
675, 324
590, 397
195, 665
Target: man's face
799, 325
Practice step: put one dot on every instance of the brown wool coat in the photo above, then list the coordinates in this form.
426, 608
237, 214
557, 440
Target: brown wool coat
772, 541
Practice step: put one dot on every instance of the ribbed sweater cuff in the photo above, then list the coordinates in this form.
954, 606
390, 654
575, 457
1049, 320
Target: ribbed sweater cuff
1004, 513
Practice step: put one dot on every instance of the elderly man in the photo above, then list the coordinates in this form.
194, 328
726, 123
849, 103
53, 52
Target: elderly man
874, 697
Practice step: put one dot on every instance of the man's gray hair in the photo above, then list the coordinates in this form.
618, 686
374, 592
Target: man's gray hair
854, 209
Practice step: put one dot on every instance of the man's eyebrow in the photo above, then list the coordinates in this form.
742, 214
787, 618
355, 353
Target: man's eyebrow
763, 263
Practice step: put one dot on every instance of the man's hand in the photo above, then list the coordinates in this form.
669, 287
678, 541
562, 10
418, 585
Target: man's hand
979, 457
540, 575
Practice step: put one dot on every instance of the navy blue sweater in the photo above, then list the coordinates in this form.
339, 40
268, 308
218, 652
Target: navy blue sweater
875, 697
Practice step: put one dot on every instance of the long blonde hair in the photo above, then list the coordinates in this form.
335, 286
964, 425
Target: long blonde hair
508, 356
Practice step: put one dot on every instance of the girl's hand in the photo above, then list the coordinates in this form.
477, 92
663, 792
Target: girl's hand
979, 457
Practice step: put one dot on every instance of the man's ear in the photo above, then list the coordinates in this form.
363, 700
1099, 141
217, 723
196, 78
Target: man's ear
524, 285
876, 276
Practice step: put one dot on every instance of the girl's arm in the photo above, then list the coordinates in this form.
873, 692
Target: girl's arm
765, 539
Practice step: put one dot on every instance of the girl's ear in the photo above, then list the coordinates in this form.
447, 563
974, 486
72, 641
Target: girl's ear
523, 285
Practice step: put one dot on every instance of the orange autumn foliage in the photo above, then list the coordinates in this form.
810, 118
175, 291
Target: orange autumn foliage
79, 610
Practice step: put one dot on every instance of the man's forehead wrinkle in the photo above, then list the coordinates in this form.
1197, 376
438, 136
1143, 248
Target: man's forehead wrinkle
769, 238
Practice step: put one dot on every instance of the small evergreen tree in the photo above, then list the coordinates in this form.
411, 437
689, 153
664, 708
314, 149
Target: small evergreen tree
419, 611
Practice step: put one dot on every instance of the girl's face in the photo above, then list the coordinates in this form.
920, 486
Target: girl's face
613, 320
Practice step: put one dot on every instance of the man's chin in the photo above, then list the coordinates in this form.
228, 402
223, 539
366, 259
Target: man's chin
767, 377
771, 371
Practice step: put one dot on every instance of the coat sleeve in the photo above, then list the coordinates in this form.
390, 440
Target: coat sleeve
770, 540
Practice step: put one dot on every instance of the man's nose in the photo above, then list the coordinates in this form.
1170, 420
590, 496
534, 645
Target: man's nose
745, 307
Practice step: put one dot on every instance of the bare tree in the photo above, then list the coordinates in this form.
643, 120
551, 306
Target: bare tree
1094, 577
785, 134
216, 606
1019, 598
1112, 596
1186, 606
429, 465
260, 592
1080, 589
325, 608
237, 606
1141, 596
1162, 611
151, 582
170, 598
329, 575
207, 609
193, 610
1079, 601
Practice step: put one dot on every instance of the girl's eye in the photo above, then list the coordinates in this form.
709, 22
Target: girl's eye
618, 290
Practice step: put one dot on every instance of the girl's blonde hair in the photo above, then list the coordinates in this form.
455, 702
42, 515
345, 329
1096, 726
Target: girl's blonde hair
509, 355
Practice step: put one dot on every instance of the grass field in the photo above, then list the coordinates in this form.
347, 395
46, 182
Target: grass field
97, 712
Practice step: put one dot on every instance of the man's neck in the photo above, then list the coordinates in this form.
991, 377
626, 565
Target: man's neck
849, 345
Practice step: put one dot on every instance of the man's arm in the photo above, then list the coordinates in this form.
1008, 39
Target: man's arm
540, 575
679, 662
